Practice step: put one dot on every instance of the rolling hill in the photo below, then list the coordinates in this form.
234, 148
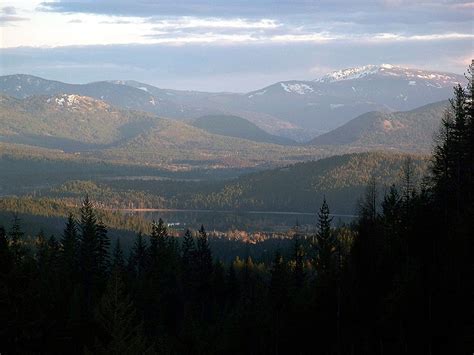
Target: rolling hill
68, 122
295, 188
410, 131
94, 129
302, 186
234, 126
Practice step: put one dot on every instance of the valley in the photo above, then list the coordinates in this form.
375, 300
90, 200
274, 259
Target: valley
130, 145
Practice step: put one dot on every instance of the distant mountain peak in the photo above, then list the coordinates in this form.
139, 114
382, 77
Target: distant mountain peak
353, 73
389, 70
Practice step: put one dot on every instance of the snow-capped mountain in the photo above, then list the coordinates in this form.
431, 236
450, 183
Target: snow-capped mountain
413, 76
335, 98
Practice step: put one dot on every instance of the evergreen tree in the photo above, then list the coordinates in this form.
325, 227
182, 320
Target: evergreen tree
93, 254
279, 298
203, 254
157, 251
42, 252
5, 254
138, 257
187, 247
103, 245
15, 237
188, 253
70, 250
204, 270
118, 319
232, 285
118, 262
325, 242
298, 270
279, 281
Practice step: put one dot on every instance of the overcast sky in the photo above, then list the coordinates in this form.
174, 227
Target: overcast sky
229, 45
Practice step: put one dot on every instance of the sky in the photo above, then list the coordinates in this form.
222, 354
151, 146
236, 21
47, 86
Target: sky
229, 45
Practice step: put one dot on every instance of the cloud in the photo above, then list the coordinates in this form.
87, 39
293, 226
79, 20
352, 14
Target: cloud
213, 23
234, 45
240, 67
9, 10
8, 15
298, 20
213, 8
425, 37
117, 21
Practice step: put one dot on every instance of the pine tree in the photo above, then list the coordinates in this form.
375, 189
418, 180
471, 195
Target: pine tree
187, 246
54, 254
93, 255
188, 253
42, 252
117, 317
69, 255
204, 271
118, 262
157, 251
327, 261
203, 254
279, 299
5, 254
298, 270
368, 206
325, 242
15, 237
279, 281
232, 285
138, 257
103, 245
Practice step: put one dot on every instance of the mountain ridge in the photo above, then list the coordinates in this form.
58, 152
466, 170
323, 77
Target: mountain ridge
407, 130
297, 109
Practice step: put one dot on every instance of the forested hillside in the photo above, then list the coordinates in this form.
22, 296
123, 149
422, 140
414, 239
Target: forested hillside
95, 130
234, 126
409, 131
341, 179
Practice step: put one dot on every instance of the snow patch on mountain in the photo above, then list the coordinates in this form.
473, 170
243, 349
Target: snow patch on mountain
77, 102
353, 73
384, 70
66, 100
300, 89
259, 93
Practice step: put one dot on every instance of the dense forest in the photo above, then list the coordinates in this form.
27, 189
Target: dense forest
341, 179
398, 280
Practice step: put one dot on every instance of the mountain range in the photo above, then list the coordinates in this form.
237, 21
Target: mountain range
93, 128
299, 110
